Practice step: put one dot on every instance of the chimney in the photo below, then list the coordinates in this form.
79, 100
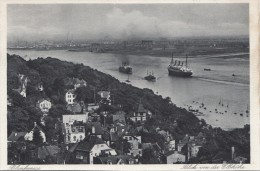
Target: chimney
35, 124
232, 152
15, 134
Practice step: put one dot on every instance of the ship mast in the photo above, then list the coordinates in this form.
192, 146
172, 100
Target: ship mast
172, 59
186, 60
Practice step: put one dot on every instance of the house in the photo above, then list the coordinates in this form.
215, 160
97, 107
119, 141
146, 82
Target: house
135, 142
16, 136
95, 129
75, 82
79, 83
77, 108
170, 145
105, 97
70, 118
92, 107
183, 142
23, 80
191, 145
172, 157
70, 96
44, 105
140, 115
74, 127
118, 160
119, 116
91, 147
74, 132
29, 135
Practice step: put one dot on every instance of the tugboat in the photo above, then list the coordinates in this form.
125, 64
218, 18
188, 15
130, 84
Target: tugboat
176, 68
150, 77
125, 68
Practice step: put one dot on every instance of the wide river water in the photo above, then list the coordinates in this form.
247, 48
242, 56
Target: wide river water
225, 97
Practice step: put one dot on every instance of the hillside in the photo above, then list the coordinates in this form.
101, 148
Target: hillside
52, 72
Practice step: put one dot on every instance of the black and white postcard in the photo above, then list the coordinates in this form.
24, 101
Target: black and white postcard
144, 84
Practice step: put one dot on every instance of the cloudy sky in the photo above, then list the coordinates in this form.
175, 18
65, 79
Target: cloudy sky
115, 21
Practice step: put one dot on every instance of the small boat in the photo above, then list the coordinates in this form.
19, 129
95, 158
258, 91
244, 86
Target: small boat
207, 69
241, 114
235, 113
150, 77
233, 75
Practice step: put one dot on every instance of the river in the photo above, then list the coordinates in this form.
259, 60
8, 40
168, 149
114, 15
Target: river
216, 89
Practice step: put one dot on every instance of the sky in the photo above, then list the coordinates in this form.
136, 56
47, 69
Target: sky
32, 22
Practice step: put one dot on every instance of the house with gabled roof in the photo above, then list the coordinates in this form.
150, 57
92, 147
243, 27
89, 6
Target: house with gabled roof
91, 147
135, 142
29, 135
70, 96
172, 157
191, 145
141, 114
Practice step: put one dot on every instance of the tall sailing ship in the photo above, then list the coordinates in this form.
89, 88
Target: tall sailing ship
177, 68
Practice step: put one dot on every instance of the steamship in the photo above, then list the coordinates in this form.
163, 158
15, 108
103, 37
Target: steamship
177, 68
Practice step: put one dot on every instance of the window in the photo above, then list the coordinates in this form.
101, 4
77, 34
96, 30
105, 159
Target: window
80, 137
74, 138
101, 145
80, 129
130, 138
73, 130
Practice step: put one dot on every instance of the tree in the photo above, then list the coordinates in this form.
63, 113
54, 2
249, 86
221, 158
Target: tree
49, 127
84, 94
37, 138
57, 111
122, 145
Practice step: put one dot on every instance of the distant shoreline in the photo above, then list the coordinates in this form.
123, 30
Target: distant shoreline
164, 54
